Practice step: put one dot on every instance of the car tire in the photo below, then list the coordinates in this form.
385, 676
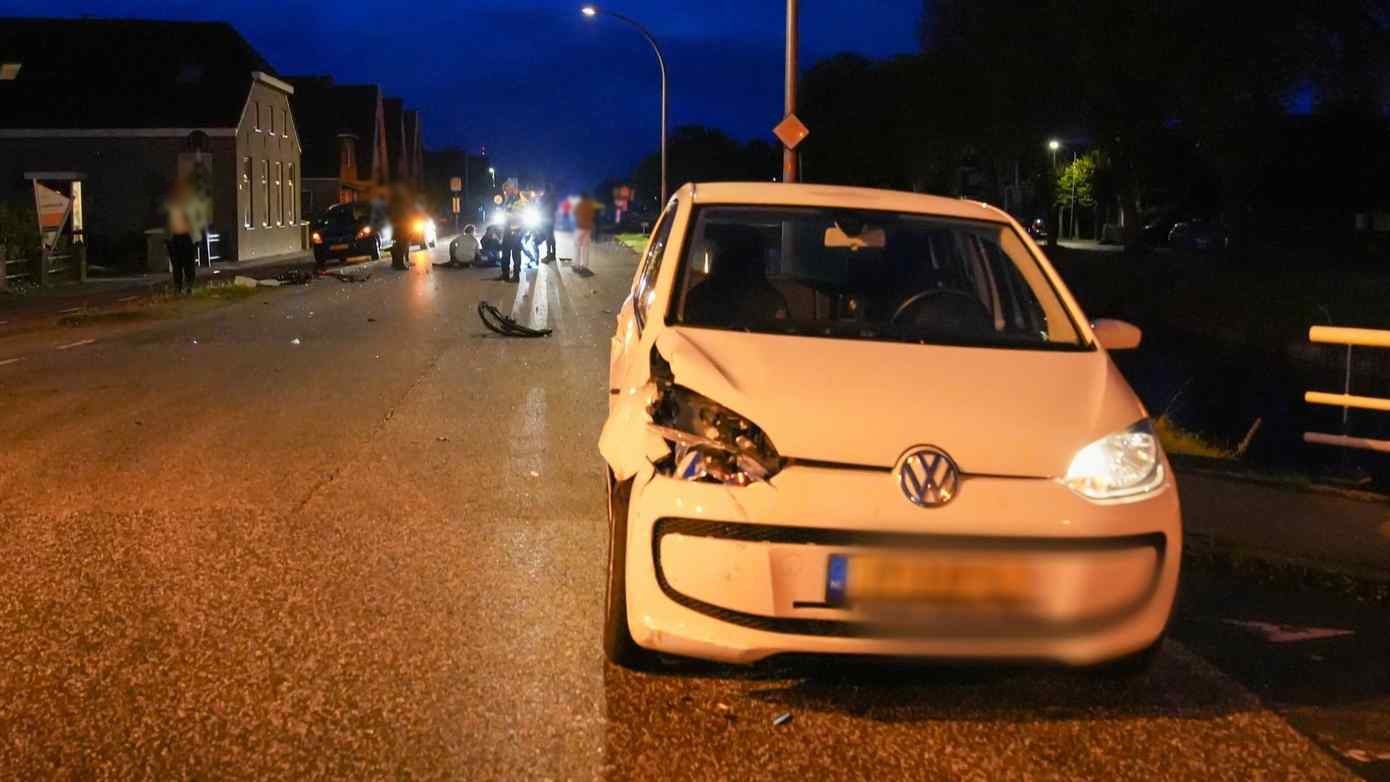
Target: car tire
618, 645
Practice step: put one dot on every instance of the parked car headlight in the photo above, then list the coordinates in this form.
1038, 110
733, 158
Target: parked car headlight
364, 232
1127, 463
710, 442
499, 217
316, 237
531, 218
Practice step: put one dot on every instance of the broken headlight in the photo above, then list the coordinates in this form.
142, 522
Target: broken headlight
710, 442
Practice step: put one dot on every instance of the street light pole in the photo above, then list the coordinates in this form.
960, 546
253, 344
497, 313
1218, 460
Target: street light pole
592, 11
789, 167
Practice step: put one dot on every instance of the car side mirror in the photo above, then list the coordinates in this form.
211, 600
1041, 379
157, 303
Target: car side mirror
1116, 334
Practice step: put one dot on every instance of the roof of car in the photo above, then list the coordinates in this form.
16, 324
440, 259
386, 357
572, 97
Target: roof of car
834, 195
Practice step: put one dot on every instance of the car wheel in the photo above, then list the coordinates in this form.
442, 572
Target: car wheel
618, 645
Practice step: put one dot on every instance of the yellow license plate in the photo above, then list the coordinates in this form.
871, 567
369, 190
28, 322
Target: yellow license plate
874, 579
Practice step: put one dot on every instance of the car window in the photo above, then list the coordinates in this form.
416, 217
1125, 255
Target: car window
867, 274
642, 292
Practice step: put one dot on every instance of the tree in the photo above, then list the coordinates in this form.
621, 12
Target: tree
699, 154
1076, 188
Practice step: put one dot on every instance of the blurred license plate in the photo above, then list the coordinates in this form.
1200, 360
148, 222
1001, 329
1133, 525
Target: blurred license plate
880, 579
338, 247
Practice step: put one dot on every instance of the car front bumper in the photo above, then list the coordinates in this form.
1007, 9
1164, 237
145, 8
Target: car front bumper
738, 574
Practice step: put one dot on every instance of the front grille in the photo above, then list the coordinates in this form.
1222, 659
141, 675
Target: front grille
769, 533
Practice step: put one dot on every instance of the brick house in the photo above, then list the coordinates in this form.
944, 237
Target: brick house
343, 130
122, 101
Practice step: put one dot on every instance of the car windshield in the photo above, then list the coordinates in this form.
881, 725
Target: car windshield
347, 214
867, 275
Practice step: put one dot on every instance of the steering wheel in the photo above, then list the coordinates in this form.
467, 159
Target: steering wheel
973, 310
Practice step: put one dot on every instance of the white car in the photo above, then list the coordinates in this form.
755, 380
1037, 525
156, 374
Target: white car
856, 421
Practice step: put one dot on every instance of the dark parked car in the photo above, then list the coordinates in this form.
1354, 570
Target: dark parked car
347, 230
1199, 236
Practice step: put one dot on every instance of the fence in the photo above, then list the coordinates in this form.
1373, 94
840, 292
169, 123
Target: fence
1350, 337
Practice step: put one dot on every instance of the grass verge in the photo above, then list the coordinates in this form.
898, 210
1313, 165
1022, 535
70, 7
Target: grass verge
1177, 440
635, 242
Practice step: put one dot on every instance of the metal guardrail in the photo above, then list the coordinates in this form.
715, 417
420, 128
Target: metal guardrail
1350, 337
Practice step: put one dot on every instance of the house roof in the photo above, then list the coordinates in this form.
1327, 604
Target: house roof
122, 73
323, 110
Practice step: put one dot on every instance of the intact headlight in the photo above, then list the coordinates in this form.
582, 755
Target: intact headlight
1127, 463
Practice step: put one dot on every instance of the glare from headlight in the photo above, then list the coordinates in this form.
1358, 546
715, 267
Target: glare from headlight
1123, 464
499, 217
531, 217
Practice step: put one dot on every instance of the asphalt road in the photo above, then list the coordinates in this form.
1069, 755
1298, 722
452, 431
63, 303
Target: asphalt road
340, 530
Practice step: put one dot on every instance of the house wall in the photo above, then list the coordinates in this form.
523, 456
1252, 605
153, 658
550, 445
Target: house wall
267, 178
123, 191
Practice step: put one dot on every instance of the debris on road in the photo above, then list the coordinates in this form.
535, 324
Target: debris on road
294, 341
501, 324
344, 275
782, 719
441, 439
244, 281
293, 277
269, 283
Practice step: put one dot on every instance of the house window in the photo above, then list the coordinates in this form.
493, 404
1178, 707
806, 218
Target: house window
279, 191
257, 105
285, 123
244, 193
271, 119
9, 71
265, 193
290, 200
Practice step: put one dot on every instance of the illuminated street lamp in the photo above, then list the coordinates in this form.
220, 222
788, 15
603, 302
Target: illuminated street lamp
1053, 146
591, 11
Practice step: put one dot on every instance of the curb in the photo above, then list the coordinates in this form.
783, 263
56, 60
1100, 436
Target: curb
1365, 583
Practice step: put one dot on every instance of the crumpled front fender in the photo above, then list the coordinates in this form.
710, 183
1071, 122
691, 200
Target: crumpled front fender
626, 442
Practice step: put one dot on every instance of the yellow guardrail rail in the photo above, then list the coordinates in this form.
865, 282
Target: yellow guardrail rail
1339, 335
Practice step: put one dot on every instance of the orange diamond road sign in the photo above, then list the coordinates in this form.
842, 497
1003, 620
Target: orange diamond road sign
790, 131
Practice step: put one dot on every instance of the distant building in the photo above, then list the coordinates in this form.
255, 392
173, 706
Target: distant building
404, 149
343, 130
122, 101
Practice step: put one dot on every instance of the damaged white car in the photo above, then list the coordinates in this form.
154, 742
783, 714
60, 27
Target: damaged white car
855, 421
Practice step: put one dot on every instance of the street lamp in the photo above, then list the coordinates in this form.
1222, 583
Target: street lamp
592, 11
1053, 146
492, 172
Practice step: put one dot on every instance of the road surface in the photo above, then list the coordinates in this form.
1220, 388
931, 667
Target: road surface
340, 530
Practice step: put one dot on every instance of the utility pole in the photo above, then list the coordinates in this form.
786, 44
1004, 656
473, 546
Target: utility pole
789, 172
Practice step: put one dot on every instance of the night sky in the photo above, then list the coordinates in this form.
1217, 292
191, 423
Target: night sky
545, 89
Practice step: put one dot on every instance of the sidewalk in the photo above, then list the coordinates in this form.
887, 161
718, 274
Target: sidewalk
1317, 530
18, 310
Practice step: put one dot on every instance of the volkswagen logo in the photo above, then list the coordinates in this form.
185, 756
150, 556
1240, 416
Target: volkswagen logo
928, 477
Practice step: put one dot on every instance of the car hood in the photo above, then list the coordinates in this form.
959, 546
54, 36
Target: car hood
1007, 412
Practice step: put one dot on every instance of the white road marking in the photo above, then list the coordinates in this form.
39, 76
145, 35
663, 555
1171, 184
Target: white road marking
69, 309
3, 362
1279, 634
76, 344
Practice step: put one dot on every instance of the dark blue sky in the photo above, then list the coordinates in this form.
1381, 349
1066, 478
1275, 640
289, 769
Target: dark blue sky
533, 80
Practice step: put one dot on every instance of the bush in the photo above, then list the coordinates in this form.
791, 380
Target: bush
19, 232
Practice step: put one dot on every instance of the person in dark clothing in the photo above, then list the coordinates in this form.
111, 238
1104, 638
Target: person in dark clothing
401, 208
511, 249
737, 291
182, 254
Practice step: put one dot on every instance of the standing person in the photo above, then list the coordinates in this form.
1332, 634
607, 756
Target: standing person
585, 218
547, 207
511, 247
182, 255
402, 209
